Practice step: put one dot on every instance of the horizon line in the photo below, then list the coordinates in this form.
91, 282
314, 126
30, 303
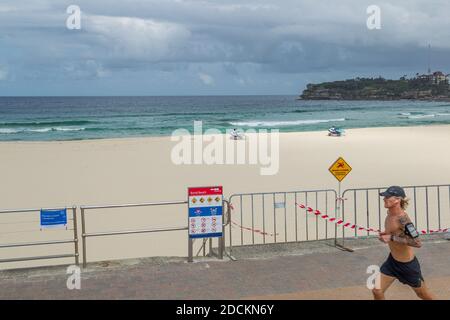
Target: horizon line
145, 96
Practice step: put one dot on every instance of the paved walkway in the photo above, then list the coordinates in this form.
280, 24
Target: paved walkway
298, 271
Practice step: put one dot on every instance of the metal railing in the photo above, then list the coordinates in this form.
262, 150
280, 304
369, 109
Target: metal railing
86, 235
271, 217
429, 208
73, 240
259, 213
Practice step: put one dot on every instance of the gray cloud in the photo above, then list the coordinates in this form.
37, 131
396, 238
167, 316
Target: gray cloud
230, 37
3, 73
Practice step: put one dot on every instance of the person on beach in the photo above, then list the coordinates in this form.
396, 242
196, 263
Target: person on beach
235, 134
401, 236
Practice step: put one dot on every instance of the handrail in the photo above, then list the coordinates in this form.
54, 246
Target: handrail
280, 192
86, 235
74, 239
144, 204
115, 233
33, 210
39, 258
39, 243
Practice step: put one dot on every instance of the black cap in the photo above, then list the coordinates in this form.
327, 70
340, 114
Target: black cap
394, 191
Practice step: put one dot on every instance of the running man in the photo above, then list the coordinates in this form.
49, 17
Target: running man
401, 236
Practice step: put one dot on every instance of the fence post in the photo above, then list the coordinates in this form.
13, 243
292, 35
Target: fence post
337, 245
337, 213
83, 236
221, 239
229, 223
75, 235
190, 249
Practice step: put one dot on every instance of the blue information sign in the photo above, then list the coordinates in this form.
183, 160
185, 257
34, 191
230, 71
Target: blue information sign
53, 218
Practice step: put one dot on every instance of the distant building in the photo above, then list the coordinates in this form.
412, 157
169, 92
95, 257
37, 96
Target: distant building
434, 78
425, 77
439, 77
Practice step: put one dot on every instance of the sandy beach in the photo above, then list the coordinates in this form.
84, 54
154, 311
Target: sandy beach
96, 172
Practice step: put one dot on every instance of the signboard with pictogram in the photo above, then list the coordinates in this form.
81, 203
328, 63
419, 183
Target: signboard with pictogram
205, 212
340, 169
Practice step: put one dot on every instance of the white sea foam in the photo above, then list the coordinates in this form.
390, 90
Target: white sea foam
69, 129
9, 131
421, 116
41, 130
281, 123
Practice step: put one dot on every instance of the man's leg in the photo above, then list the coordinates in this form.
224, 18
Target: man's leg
423, 292
385, 282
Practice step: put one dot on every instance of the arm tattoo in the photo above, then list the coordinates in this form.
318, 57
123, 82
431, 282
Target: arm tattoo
403, 238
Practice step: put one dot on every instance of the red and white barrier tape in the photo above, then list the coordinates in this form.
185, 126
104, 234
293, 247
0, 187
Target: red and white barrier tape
332, 220
353, 226
336, 220
435, 231
251, 229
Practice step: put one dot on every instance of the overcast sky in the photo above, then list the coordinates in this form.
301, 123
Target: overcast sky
213, 47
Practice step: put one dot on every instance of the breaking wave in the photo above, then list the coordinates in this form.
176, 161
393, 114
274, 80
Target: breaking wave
282, 123
41, 130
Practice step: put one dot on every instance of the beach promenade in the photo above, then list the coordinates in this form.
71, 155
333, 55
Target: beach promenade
296, 271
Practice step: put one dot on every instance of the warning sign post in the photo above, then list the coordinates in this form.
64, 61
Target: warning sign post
340, 169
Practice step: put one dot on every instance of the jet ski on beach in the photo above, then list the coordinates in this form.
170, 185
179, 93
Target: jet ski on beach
335, 132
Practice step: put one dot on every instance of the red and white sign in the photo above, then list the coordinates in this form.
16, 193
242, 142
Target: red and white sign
205, 211
205, 191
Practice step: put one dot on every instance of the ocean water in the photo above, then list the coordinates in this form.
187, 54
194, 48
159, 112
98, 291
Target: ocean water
78, 118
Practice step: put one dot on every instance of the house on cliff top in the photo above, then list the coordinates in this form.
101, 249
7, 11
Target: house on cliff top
435, 78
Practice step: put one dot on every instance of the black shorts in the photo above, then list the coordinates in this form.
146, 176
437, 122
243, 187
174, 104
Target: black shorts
406, 272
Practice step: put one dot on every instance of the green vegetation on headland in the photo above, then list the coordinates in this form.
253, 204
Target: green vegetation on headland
433, 86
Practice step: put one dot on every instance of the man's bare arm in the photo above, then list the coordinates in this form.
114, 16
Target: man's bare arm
403, 237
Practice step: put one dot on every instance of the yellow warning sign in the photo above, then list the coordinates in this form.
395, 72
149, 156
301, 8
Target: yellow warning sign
340, 169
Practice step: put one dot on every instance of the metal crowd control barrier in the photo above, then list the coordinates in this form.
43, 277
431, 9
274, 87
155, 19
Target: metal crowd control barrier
429, 208
260, 213
73, 240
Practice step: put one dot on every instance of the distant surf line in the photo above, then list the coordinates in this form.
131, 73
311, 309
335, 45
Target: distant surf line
283, 123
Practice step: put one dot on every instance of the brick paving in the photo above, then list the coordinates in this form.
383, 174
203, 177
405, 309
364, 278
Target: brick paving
309, 271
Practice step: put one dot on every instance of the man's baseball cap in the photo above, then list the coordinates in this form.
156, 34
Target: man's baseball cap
394, 191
